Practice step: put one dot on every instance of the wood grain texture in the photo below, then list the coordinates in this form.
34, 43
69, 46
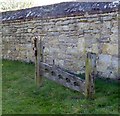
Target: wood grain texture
38, 59
62, 77
90, 73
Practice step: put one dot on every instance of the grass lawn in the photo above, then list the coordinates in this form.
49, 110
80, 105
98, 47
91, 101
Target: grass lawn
20, 95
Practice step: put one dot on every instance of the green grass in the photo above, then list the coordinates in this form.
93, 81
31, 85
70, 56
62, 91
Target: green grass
20, 95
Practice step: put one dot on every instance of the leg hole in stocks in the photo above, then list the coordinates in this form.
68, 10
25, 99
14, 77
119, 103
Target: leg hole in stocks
53, 73
76, 84
68, 80
46, 70
60, 76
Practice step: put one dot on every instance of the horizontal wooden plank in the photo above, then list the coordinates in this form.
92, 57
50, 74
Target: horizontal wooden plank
62, 77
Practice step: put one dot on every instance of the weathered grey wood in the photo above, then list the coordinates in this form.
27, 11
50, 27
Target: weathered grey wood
40, 47
90, 73
35, 53
38, 59
62, 77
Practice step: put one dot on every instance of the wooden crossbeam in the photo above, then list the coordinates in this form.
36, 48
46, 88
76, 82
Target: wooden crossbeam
62, 77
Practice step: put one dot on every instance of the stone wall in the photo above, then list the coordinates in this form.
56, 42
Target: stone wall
65, 40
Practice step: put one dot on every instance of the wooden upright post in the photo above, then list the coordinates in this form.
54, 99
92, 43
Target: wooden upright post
38, 59
90, 73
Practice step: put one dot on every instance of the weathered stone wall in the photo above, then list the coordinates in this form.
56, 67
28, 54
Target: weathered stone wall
65, 40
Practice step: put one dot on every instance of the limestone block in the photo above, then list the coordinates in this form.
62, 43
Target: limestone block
115, 62
103, 62
17, 48
114, 30
46, 50
81, 63
97, 35
72, 50
65, 27
34, 30
88, 49
53, 51
111, 49
68, 63
114, 38
105, 31
114, 23
104, 39
107, 24
66, 22
19, 30
93, 19
59, 62
50, 28
82, 25
107, 18
58, 23
93, 26
21, 48
29, 30
81, 44
66, 56
103, 74
9, 51
88, 36
95, 48
48, 34
59, 28
53, 41
74, 27
29, 46
110, 74
5, 30
115, 75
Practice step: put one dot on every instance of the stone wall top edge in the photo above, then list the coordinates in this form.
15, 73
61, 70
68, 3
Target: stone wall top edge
60, 10
90, 14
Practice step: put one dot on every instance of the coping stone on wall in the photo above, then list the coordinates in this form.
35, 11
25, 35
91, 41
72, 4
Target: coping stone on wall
60, 10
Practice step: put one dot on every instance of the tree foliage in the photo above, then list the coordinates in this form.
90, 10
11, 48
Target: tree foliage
14, 5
